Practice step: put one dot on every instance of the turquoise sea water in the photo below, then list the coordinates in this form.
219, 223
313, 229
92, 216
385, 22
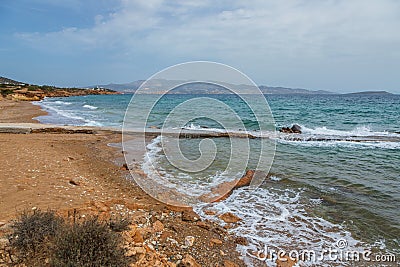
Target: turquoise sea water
323, 187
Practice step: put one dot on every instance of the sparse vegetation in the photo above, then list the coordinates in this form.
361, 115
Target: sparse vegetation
32, 87
42, 238
5, 92
88, 243
32, 92
119, 224
32, 233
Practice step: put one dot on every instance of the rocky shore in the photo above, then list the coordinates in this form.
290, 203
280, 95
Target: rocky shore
79, 173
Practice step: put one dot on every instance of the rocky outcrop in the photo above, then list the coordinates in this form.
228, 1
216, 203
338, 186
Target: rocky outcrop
190, 216
225, 189
294, 129
24, 92
229, 217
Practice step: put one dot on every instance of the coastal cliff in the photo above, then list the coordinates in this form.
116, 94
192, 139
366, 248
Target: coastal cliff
13, 90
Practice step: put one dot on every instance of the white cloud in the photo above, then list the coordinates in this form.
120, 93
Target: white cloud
249, 32
290, 25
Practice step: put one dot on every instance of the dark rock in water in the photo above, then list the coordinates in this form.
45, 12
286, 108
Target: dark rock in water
285, 130
397, 132
296, 128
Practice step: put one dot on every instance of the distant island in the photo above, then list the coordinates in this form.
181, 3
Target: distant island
371, 93
200, 88
210, 88
14, 90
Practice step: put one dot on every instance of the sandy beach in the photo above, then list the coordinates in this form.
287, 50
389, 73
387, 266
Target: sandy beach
81, 172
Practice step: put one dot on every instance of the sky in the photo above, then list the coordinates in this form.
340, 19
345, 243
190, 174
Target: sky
335, 45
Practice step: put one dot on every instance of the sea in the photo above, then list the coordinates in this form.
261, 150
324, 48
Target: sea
335, 187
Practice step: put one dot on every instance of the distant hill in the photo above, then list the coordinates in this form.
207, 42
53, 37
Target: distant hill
4, 80
370, 93
284, 90
123, 87
10, 89
201, 88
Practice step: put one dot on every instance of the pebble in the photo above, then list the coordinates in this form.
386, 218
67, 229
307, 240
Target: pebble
189, 241
216, 241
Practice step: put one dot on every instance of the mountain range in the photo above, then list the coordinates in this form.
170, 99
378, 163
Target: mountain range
158, 87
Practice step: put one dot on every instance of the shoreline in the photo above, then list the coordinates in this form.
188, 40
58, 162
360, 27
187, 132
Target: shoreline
19, 111
78, 171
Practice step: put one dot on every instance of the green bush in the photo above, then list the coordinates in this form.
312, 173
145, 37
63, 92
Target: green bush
88, 243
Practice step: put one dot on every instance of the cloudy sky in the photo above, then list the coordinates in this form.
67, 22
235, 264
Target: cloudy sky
342, 46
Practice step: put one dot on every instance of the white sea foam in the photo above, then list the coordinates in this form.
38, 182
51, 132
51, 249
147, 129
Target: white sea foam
359, 138
358, 131
90, 107
200, 128
181, 182
277, 219
62, 103
69, 115
275, 178
344, 144
271, 217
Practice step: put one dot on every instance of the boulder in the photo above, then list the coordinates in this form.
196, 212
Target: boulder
189, 241
229, 217
216, 241
190, 216
240, 240
158, 226
296, 129
285, 130
245, 180
203, 225
225, 189
210, 212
